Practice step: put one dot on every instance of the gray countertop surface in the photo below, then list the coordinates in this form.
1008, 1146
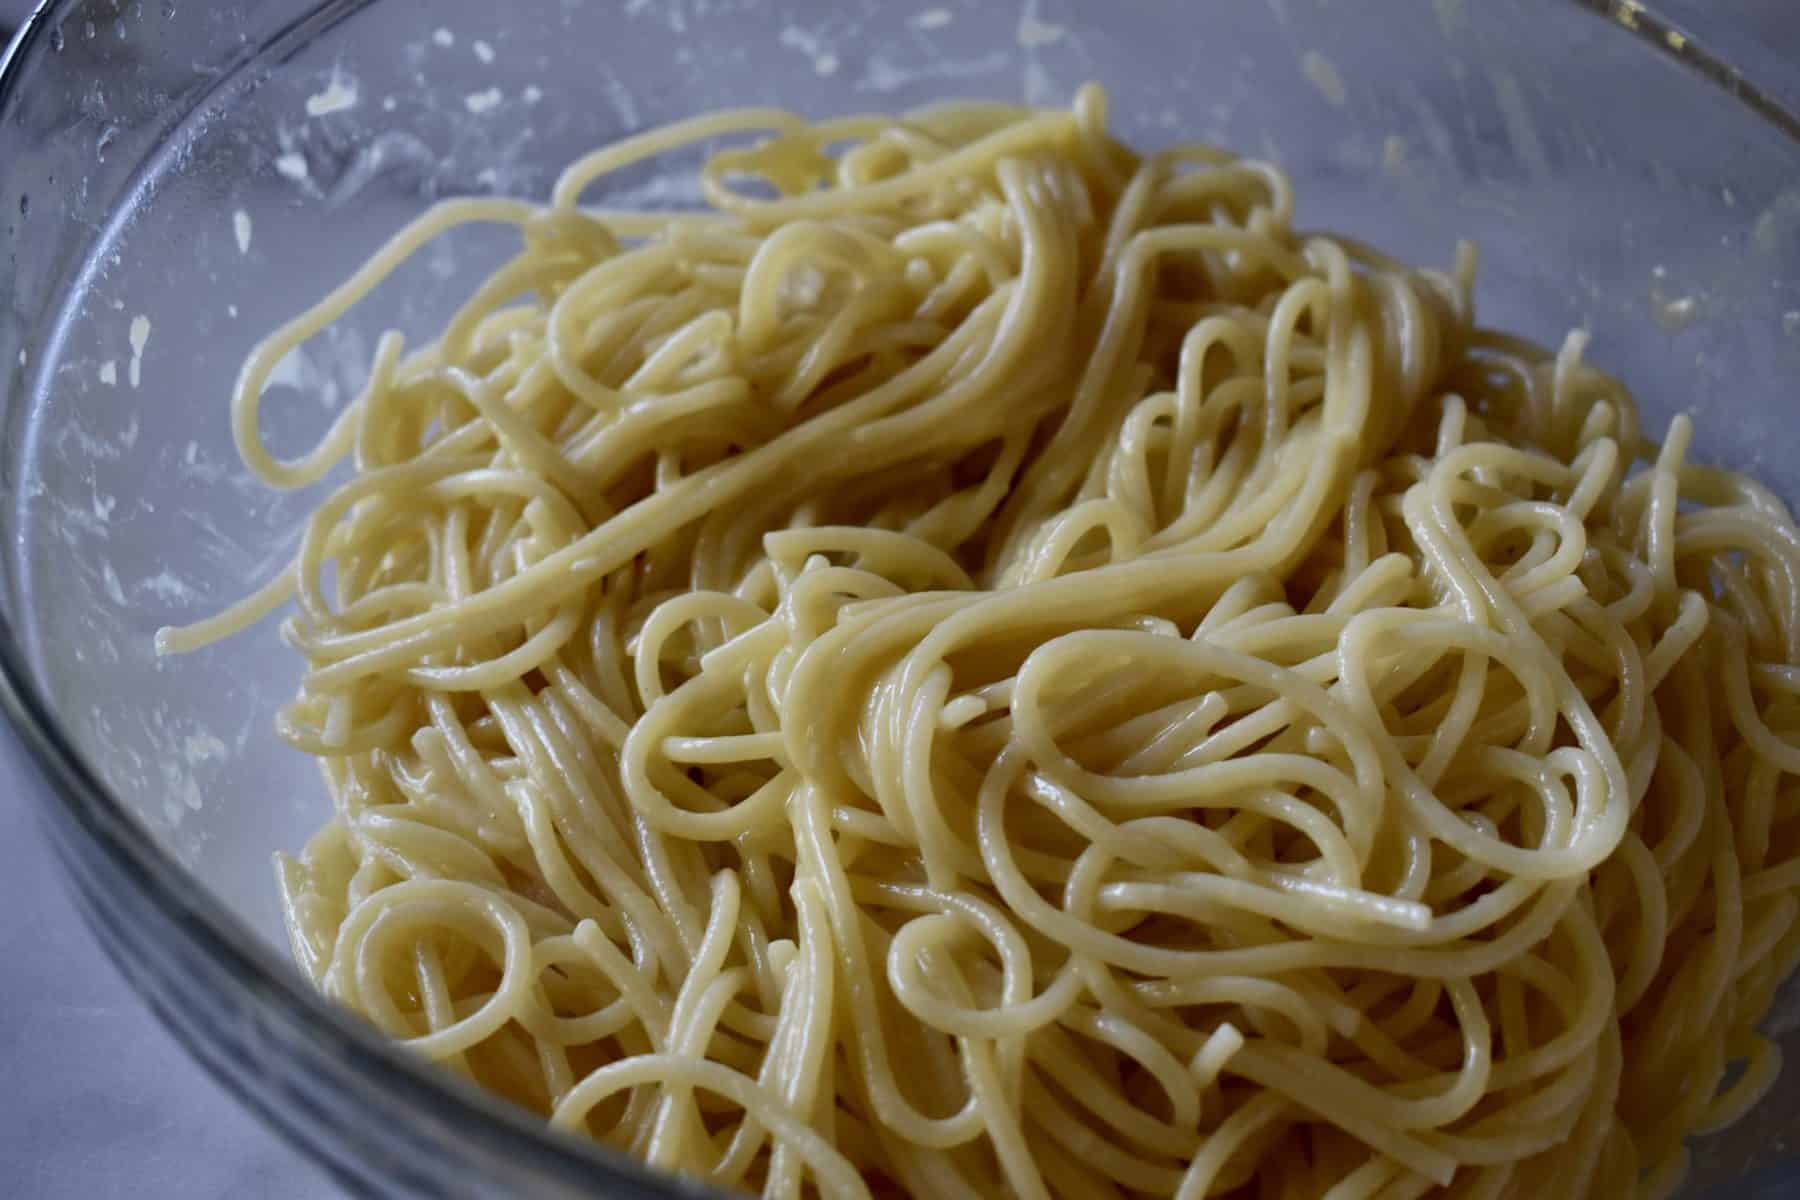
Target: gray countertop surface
99, 1101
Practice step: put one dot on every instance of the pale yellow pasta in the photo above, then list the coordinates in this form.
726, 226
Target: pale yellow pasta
987, 663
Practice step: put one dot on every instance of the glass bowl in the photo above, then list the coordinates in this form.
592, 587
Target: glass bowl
175, 178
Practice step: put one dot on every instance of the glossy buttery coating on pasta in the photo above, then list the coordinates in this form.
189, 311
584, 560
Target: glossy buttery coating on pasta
1006, 669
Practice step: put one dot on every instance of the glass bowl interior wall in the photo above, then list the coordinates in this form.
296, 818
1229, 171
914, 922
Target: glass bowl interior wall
179, 178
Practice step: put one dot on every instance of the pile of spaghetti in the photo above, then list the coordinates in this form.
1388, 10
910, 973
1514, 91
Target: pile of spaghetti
987, 663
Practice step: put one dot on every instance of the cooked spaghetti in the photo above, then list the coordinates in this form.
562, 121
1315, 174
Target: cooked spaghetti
987, 663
